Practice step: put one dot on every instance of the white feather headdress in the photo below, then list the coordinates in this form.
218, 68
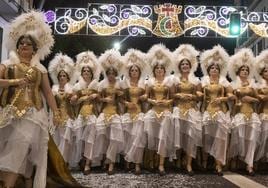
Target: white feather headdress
87, 59
61, 63
261, 63
216, 55
111, 58
135, 57
160, 54
32, 24
243, 57
185, 51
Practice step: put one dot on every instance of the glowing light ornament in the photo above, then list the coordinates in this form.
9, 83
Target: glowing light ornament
167, 22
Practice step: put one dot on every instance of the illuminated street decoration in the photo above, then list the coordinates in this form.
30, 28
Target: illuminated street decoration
164, 20
259, 23
167, 24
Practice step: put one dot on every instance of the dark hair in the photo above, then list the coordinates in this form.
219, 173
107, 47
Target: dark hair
209, 67
162, 66
187, 62
111, 69
262, 71
240, 68
132, 67
58, 76
27, 37
89, 71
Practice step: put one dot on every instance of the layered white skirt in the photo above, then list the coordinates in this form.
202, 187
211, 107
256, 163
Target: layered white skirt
160, 133
263, 147
188, 131
215, 135
245, 137
73, 137
109, 138
138, 140
23, 145
89, 136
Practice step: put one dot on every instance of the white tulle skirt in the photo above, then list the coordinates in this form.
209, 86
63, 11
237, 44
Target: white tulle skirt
88, 137
127, 126
109, 138
245, 137
188, 131
23, 145
160, 133
215, 135
138, 143
263, 148
73, 138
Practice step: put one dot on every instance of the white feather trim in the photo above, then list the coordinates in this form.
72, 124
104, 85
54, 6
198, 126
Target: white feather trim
169, 81
105, 84
261, 63
68, 88
222, 81
191, 78
237, 83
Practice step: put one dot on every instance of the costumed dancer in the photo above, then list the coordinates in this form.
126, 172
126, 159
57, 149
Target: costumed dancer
216, 118
86, 98
186, 114
157, 121
24, 120
61, 73
261, 70
135, 70
109, 121
246, 125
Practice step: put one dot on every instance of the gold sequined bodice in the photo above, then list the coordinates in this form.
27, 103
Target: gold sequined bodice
246, 108
110, 108
86, 107
134, 94
212, 92
63, 104
29, 96
264, 107
160, 92
186, 87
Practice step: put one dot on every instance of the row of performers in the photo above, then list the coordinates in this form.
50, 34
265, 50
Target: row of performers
150, 109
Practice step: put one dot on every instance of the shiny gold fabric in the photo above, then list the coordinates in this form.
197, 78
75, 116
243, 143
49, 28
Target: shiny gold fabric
87, 107
185, 87
211, 93
160, 92
244, 107
132, 95
264, 105
65, 107
110, 109
29, 96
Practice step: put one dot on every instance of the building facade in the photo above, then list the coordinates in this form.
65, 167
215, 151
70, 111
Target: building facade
9, 9
256, 43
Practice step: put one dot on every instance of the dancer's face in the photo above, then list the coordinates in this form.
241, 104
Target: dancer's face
134, 72
25, 47
214, 70
86, 73
63, 77
265, 73
244, 72
159, 70
184, 66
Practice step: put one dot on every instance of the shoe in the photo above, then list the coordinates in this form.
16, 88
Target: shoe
162, 172
137, 172
110, 172
251, 173
86, 172
220, 173
190, 173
